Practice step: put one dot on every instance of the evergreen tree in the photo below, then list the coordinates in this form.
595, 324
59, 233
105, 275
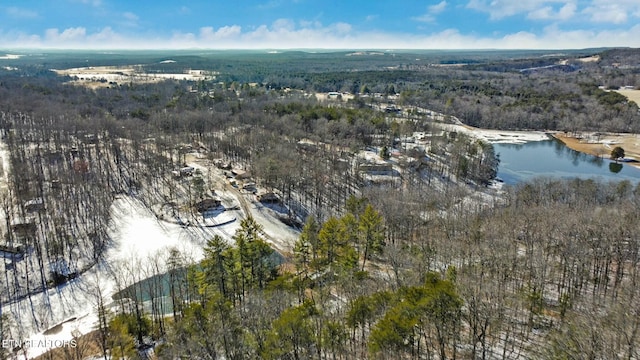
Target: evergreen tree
372, 236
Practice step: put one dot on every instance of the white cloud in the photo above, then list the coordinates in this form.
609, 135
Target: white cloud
438, 8
429, 16
95, 3
310, 24
599, 11
130, 19
498, 9
285, 34
283, 25
271, 4
17, 12
130, 16
616, 12
225, 32
566, 12
70, 35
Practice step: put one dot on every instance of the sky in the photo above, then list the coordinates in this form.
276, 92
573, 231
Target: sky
319, 24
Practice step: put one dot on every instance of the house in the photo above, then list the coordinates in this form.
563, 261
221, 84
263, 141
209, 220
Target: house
81, 166
221, 164
268, 197
55, 157
56, 184
392, 109
34, 205
379, 169
187, 171
240, 174
183, 172
24, 229
250, 187
12, 251
206, 204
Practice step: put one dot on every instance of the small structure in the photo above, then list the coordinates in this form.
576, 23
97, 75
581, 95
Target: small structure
250, 187
74, 151
392, 109
183, 172
24, 229
34, 205
91, 138
377, 169
81, 166
55, 157
268, 197
240, 174
187, 171
56, 184
61, 272
221, 164
12, 251
207, 204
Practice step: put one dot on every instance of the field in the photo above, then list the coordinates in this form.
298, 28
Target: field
101, 76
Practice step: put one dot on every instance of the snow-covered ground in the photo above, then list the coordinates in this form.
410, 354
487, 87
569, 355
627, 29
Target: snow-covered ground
48, 319
128, 74
498, 136
10, 57
4, 165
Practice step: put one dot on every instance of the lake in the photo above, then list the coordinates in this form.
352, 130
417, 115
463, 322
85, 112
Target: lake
551, 158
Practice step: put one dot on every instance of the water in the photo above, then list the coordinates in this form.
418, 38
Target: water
551, 158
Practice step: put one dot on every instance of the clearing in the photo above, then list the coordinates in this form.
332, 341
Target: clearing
102, 76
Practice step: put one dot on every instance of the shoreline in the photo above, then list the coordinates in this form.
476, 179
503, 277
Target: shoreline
602, 147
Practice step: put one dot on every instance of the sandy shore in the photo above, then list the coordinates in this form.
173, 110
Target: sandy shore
601, 144
498, 136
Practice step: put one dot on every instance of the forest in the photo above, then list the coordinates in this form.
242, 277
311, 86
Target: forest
404, 248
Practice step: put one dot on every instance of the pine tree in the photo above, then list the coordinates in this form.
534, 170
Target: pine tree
371, 230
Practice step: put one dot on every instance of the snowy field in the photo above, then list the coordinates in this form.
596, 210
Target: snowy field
47, 320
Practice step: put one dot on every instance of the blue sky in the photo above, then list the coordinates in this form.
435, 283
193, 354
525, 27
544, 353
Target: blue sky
330, 24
